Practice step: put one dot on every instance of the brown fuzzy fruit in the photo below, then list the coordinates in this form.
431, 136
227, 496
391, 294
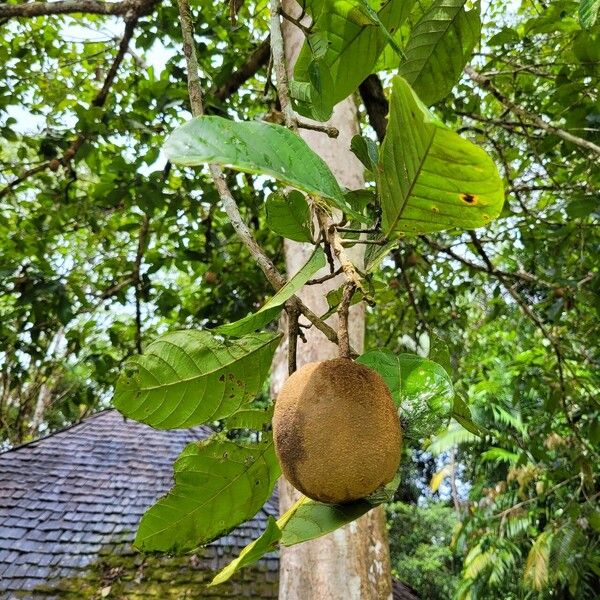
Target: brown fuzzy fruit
336, 430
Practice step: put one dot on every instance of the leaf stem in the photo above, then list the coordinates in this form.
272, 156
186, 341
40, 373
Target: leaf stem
343, 312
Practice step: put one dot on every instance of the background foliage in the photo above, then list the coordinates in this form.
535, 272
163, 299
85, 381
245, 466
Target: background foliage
102, 251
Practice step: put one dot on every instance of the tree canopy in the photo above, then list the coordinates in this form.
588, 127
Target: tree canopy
106, 245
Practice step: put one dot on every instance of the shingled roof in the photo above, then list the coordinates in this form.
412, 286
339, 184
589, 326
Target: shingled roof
74, 497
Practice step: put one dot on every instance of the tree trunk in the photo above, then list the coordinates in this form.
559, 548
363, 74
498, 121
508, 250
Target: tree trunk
353, 562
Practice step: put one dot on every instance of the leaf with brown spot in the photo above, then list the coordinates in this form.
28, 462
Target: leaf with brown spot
430, 178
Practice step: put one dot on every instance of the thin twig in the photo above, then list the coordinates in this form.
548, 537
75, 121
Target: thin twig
337, 247
325, 278
343, 312
297, 22
348, 242
487, 85
137, 281
329, 130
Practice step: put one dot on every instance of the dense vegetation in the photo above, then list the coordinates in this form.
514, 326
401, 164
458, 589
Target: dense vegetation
102, 246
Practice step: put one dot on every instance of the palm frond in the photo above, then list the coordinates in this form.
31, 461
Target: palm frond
536, 571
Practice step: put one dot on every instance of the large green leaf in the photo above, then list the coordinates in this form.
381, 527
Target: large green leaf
420, 387
273, 306
439, 47
218, 485
588, 12
254, 147
431, 179
305, 520
355, 42
313, 519
185, 378
289, 216
254, 551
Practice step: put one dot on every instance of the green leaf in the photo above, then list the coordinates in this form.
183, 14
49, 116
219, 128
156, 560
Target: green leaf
506, 35
250, 418
305, 520
321, 89
588, 12
439, 47
254, 551
218, 485
420, 387
365, 149
273, 307
499, 455
453, 436
259, 547
462, 414
314, 519
439, 352
289, 216
535, 574
186, 378
334, 297
254, 147
431, 179
355, 43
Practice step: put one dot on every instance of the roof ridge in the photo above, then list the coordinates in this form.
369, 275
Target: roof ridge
81, 421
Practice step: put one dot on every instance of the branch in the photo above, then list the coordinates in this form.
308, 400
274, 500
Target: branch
293, 331
328, 130
264, 262
484, 83
540, 325
522, 275
62, 7
281, 76
336, 243
259, 58
372, 94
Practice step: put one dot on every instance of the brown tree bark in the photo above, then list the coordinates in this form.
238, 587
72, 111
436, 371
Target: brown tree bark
351, 563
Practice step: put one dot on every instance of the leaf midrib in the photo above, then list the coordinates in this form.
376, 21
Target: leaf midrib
413, 182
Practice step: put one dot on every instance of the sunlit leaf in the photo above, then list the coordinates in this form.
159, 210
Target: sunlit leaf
536, 565
588, 12
271, 309
254, 551
420, 387
250, 418
355, 43
254, 147
313, 519
438, 477
305, 520
431, 179
186, 378
218, 485
439, 47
